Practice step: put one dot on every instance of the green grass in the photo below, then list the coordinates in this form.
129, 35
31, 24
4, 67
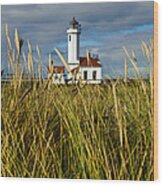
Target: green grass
68, 132
90, 132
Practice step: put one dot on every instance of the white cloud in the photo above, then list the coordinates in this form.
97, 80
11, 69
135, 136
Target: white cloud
106, 27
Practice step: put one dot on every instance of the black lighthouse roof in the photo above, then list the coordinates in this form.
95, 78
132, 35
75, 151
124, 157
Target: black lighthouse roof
74, 22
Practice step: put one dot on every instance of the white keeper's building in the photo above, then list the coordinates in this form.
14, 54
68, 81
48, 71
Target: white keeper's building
86, 69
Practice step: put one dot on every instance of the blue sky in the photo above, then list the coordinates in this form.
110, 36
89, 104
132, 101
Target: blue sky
106, 28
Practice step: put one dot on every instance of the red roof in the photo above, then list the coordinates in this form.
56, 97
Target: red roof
58, 69
94, 62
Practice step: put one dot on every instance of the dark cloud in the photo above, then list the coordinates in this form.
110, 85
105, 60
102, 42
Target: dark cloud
106, 27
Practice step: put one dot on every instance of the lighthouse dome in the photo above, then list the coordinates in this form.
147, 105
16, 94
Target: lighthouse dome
74, 21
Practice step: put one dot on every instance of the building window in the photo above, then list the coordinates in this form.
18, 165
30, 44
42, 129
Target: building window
85, 75
94, 75
56, 76
75, 77
69, 38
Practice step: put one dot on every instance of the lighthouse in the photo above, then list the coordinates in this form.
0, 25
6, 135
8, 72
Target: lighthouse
86, 69
73, 34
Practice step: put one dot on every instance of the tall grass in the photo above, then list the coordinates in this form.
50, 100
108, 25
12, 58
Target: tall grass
91, 132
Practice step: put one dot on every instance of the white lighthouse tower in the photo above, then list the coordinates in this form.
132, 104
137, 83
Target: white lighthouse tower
87, 70
74, 43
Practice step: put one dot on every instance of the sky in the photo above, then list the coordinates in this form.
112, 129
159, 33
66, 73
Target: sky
106, 28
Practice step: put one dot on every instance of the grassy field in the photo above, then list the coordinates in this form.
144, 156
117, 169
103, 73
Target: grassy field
90, 132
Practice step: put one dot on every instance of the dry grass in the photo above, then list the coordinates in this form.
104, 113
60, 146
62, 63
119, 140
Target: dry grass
95, 132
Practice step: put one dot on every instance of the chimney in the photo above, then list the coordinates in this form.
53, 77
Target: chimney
88, 57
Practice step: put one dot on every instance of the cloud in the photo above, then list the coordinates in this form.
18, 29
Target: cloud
106, 27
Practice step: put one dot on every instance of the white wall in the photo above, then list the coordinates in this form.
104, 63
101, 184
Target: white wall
60, 78
90, 74
73, 45
73, 66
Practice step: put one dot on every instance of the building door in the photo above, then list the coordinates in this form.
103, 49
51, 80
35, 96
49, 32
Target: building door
94, 75
85, 75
